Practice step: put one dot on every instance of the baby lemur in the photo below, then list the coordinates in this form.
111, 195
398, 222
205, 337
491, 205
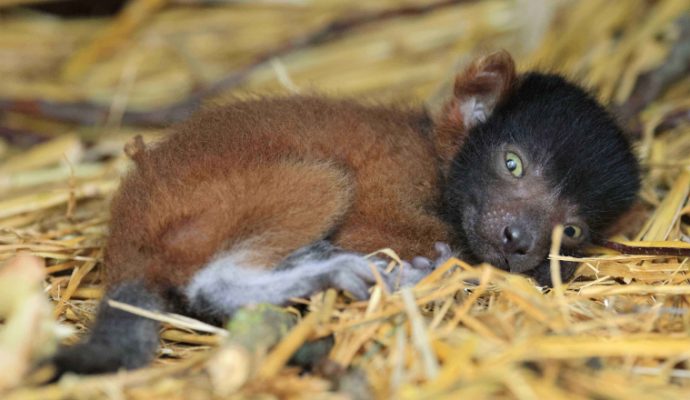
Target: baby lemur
269, 199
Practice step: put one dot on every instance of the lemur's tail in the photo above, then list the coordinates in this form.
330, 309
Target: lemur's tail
118, 339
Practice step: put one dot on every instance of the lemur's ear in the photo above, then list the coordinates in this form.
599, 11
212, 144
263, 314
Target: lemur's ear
480, 87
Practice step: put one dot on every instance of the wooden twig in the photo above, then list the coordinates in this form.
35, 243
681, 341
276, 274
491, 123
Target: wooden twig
674, 118
21, 137
15, 3
88, 113
644, 250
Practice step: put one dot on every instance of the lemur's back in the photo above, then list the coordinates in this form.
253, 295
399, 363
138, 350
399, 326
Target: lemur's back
272, 174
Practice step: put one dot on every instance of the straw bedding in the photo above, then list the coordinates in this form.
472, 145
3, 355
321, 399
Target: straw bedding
75, 90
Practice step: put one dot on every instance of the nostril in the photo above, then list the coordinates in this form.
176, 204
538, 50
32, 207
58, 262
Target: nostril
511, 234
507, 237
515, 241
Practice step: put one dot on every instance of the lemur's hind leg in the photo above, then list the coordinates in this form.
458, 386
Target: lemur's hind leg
227, 283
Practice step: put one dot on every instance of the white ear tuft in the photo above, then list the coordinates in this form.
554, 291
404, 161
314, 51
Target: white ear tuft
474, 112
482, 86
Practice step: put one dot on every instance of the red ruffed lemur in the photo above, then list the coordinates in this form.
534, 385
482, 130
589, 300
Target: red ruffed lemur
269, 199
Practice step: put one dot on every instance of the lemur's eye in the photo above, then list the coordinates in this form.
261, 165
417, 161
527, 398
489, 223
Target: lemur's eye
572, 231
514, 164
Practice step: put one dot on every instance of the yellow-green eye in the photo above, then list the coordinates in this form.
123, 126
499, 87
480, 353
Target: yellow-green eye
514, 164
572, 231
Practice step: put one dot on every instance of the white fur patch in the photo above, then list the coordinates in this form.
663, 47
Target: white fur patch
473, 112
229, 267
230, 282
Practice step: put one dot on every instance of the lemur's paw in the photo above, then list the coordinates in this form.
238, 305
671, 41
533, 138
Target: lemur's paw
355, 274
409, 273
443, 253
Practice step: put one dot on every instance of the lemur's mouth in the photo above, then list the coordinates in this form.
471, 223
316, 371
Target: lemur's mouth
506, 263
497, 259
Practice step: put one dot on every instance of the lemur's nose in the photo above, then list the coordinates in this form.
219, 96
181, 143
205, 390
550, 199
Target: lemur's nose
516, 240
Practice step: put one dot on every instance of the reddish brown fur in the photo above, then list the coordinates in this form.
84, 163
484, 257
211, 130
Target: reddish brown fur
278, 174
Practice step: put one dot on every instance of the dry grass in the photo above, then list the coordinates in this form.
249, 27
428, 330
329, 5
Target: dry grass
620, 331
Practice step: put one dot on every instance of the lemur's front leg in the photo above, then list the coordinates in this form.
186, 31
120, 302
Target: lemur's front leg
226, 284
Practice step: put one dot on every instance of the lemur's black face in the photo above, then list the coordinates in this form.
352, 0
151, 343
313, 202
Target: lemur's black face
508, 208
548, 155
